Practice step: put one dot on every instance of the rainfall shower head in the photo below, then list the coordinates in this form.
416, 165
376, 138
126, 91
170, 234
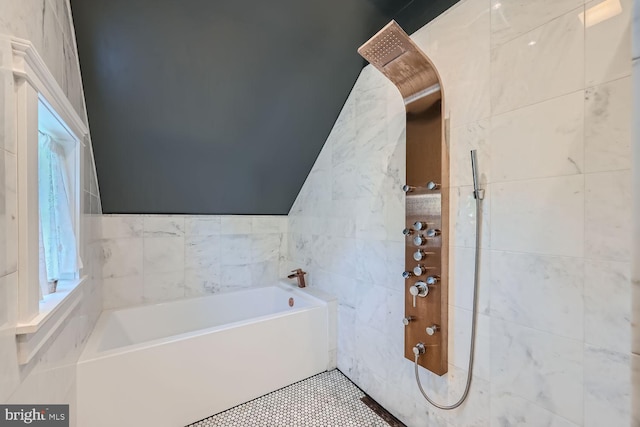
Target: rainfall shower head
393, 52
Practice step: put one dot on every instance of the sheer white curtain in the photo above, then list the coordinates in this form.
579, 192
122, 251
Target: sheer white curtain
59, 253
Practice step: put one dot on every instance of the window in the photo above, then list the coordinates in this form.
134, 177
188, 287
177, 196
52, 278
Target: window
59, 258
50, 138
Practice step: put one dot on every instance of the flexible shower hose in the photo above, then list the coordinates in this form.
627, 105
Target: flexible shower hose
478, 196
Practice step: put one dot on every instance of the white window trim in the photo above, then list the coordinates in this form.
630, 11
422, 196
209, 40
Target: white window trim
33, 81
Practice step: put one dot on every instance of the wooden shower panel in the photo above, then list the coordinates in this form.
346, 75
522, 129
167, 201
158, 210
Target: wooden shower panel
393, 53
427, 161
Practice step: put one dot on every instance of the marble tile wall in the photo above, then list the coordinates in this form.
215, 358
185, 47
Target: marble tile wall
635, 252
151, 258
50, 377
546, 101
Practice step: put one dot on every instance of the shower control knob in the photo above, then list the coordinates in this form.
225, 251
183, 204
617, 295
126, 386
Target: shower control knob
419, 349
407, 320
432, 329
419, 255
419, 289
419, 240
419, 270
408, 189
419, 225
433, 185
406, 274
407, 232
432, 280
433, 232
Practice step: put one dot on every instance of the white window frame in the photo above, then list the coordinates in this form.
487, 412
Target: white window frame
38, 320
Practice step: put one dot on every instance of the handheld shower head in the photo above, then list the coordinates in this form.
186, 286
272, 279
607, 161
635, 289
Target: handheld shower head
478, 193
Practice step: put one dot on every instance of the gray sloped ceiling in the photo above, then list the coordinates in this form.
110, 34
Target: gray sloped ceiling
220, 106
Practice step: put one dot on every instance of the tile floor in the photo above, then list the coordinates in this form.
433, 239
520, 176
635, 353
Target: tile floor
328, 399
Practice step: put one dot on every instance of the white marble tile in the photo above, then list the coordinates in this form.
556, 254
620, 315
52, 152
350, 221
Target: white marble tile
542, 140
460, 340
608, 215
607, 387
284, 246
607, 136
475, 411
60, 10
235, 224
235, 249
635, 385
264, 273
331, 226
9, 373
372, 356
474, 136
202, 226
371, 113
380, 263
123, 291
396, 116
373, 305
333, 360
234, 277
342, 139
163, 226
269, 224
462, 37
635, 277
635, 315
543, 368
394, 219
96, 205
53, 45
334, 284
23, 19
541, 216
351, 180
541, 292
8, 213
462, 210
315, 196
121, 226
163, 254
74, 82
85, 173
508, 409
512, 18
541, 64
607, 42
265, 247
202, 281
337, 252
346, 340
635, 47
201, 252
461, 279
607, 300
299, 248
164, 286
122, 257
371, 222
300, 223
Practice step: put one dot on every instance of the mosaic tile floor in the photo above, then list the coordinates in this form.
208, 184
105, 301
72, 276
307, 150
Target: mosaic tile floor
328, 399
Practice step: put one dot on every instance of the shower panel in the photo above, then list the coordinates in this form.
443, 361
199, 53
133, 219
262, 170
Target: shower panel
426, 231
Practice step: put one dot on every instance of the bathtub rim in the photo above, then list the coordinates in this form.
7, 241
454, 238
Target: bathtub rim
90, 351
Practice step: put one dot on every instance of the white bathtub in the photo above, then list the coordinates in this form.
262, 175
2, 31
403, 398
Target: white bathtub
175, 363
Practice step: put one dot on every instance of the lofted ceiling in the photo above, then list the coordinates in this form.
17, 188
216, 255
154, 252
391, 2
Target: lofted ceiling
220, 107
